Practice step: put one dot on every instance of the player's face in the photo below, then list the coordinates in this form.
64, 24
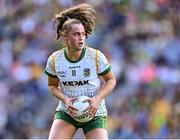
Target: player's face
75, 38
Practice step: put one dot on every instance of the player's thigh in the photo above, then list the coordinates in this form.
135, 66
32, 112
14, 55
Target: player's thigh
97, 133
61, 129
96, 128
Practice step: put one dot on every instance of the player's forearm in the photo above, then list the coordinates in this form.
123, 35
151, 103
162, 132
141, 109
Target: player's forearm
57, 93
106, 89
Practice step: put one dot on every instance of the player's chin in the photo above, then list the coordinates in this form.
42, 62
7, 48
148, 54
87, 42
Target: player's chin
81, 45
79, 48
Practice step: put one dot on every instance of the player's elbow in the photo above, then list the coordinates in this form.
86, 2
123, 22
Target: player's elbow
52, 87
113, 82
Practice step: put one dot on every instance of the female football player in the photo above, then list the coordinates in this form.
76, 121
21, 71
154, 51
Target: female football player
75, 70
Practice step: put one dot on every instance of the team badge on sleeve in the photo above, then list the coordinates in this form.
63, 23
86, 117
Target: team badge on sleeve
86, 72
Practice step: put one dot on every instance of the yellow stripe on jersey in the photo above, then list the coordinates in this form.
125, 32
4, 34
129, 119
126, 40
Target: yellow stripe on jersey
53, 63
97, 61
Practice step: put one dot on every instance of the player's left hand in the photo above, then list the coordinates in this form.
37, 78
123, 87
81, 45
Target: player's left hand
93, 105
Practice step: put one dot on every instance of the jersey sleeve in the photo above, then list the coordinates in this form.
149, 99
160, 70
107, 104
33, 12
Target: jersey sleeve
50, 67
103, 64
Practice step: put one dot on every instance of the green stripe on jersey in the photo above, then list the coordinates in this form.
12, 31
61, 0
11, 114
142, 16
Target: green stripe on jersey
105, 72
50, 75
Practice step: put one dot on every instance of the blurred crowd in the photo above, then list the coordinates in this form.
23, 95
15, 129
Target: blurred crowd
142, 42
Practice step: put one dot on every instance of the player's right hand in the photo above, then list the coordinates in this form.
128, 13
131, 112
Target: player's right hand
69, 104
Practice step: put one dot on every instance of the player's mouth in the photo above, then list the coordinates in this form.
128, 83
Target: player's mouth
81, 43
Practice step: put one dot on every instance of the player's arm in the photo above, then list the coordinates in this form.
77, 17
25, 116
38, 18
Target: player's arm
55, 89
53, 81
108, 86
110, 82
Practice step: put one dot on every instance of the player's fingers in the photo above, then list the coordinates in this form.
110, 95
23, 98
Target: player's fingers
73, 108
69, 109
92, 112
73, 100
71, 113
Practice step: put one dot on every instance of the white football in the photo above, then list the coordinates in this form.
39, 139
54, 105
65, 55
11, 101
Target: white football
80, 115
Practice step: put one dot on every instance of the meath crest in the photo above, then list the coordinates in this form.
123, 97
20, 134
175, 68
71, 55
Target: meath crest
86, 72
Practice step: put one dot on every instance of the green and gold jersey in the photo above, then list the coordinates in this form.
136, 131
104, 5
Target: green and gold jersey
79, 77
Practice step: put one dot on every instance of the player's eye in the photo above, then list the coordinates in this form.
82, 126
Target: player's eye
76, 34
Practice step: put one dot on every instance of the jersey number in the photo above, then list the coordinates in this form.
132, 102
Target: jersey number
73, 72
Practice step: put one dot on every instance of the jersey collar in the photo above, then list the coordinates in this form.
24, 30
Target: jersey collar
80, 58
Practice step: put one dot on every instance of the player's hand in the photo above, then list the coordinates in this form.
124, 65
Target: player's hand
93, 105
69, 104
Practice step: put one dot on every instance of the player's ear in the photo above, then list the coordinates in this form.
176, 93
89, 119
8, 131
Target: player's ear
65, 35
